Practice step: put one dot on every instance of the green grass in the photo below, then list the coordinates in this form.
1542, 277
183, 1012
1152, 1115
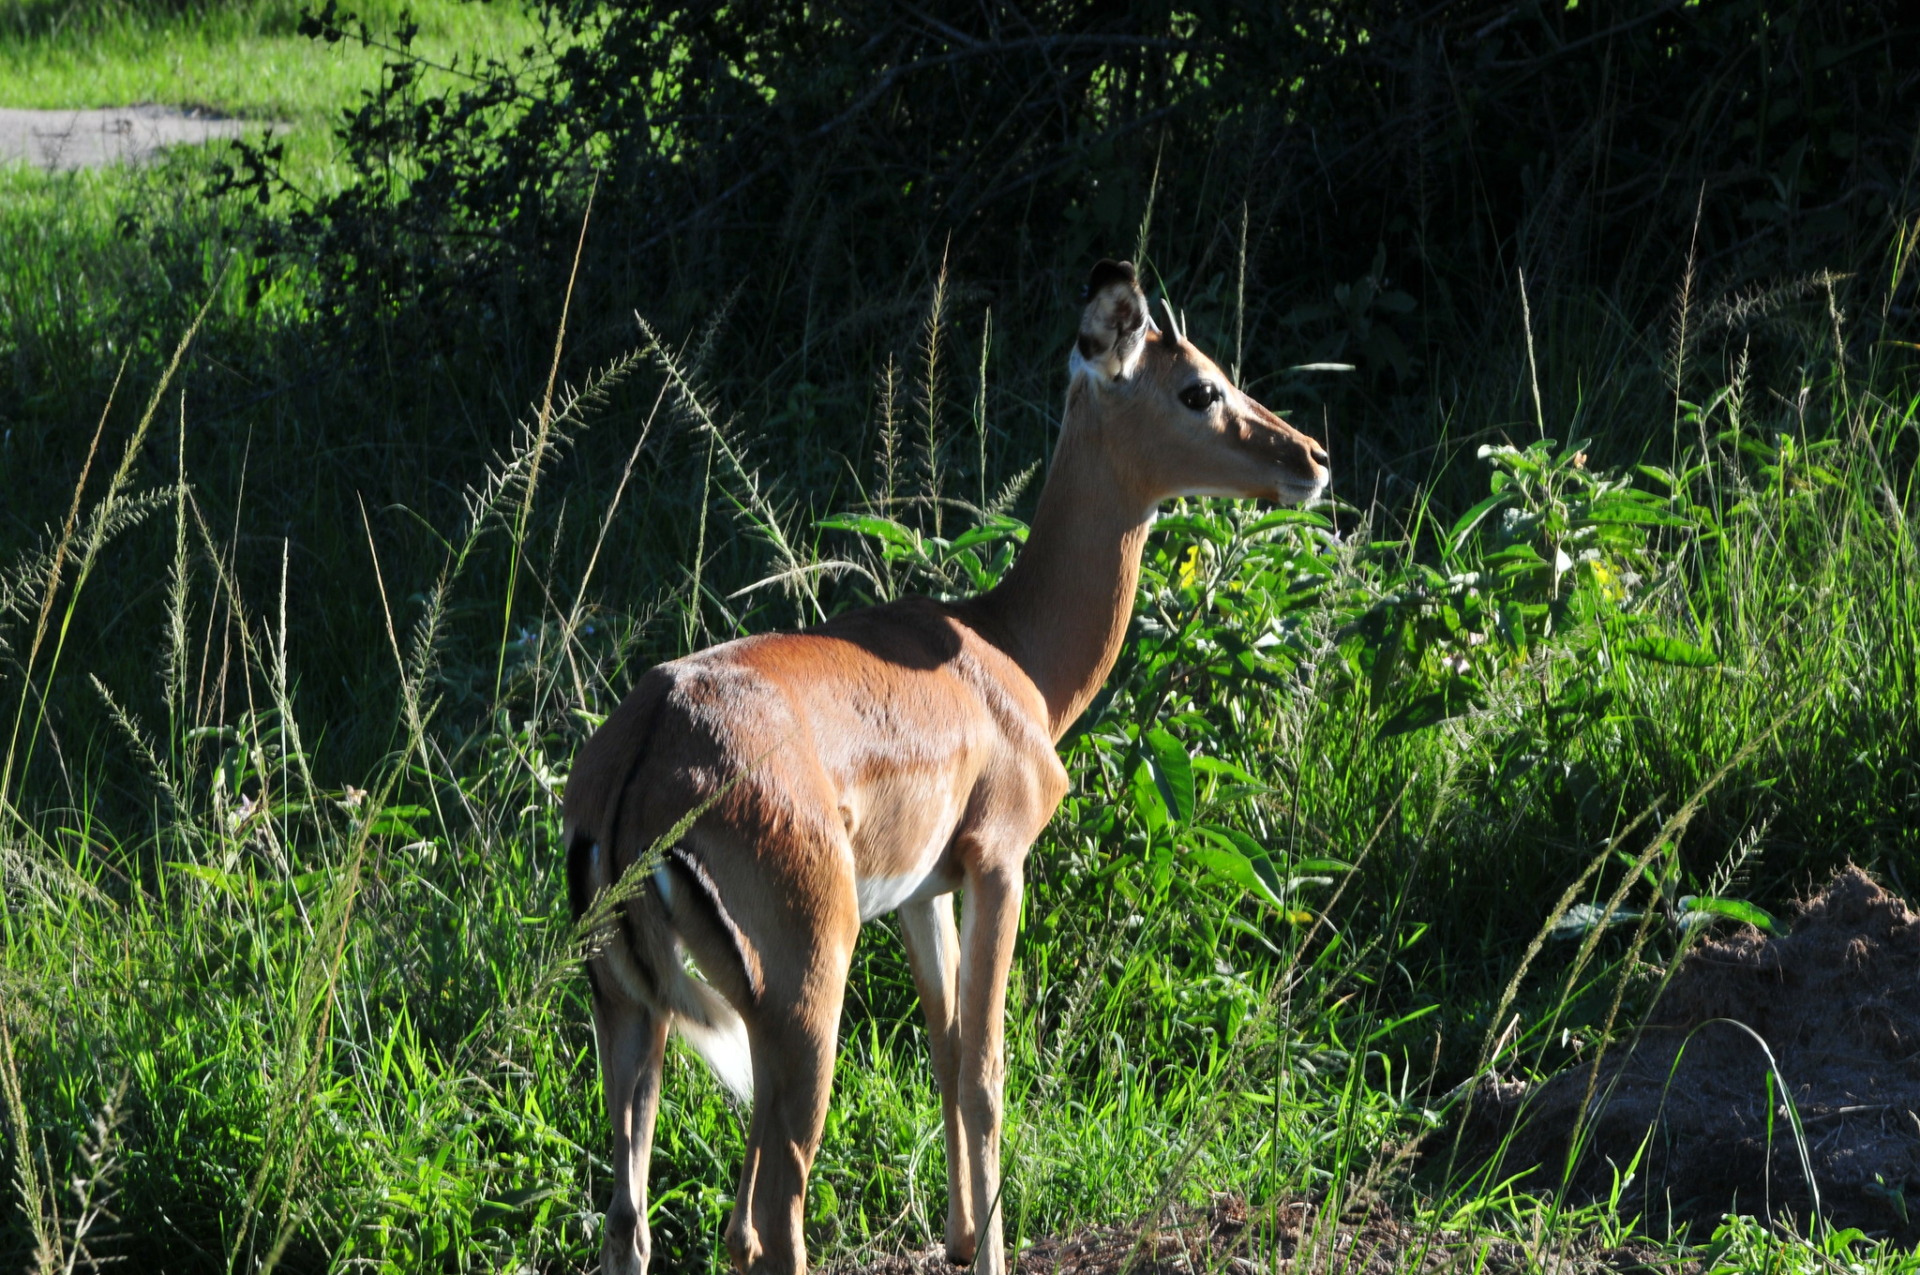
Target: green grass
287, 979
338, 1023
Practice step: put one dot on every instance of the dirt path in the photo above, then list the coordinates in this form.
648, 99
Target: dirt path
65, 140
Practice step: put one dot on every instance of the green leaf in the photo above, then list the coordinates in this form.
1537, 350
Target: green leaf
1188, 525
1225, 769
1738, 909
230, 884
1287, 518
868, 525
1233, 839
1670, 650
1638, 514
1235, 868
1583, 918
1471, 519
988, 533
1387, 1029
1172, 772
1147, 799
1431, 709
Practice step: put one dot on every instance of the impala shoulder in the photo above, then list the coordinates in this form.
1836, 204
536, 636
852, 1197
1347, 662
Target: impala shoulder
1000, 681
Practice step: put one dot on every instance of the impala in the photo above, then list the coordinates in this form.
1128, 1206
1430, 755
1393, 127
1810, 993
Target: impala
878, 763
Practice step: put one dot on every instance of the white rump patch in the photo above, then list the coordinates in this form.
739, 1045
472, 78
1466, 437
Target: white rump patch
721, 1045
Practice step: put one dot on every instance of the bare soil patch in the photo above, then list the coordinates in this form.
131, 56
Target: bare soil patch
65, 140
1291, 1237
1837, 1002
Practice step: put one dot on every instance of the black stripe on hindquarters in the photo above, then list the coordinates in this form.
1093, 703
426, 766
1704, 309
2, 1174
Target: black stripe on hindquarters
580, 875
689, 869
580, 884
580, 895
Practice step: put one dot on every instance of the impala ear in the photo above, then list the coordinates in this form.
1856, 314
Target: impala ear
1113, 327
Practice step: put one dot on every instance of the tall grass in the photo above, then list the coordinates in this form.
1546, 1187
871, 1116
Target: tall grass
259, 1012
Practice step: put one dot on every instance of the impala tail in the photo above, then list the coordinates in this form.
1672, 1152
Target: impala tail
638, 954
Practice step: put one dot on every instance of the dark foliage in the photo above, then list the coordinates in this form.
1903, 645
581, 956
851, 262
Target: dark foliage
812, 157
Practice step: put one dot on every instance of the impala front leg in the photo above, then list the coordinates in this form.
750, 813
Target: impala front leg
992, 919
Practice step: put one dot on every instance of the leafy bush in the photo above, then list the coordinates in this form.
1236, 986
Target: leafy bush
1370, 177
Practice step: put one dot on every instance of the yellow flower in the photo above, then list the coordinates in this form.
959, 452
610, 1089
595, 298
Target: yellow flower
1189, 566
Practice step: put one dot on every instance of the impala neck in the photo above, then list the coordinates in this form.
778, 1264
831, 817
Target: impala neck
1062, 610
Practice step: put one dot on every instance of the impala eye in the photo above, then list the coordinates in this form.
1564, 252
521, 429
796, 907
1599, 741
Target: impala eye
1200, 395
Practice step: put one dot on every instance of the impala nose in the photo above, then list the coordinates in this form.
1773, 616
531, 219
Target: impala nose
1319, 455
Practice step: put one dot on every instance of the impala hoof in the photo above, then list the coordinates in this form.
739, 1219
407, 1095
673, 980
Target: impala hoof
624, 1249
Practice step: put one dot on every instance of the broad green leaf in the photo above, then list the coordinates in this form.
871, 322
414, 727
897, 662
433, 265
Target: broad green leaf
1635, 513
870, 525
1738, 909
1670, 650
1188, 525
1172, 772
1471, 519
1582, 918
1235, 869
228, 883
1431, 709
988, 534
393, 822
1147, 799
1286, 518
1521, 553
1233, 839
1218, 766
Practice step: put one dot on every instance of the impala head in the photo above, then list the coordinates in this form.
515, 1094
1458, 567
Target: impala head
1171, 420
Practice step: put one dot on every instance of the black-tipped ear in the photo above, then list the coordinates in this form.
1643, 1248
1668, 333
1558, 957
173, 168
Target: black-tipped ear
1107, 271
1113, 327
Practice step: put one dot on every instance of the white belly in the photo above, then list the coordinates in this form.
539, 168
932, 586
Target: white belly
923, 876
881, 895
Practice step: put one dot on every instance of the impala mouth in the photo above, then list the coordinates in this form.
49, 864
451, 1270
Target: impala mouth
1294, 491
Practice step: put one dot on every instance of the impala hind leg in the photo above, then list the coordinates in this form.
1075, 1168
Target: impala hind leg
986, 952
632, 1040
793, 1034
933, 950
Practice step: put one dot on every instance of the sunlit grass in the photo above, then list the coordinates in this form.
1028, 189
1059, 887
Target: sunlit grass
242, 59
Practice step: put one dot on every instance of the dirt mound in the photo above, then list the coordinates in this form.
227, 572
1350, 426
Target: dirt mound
1837, 1001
